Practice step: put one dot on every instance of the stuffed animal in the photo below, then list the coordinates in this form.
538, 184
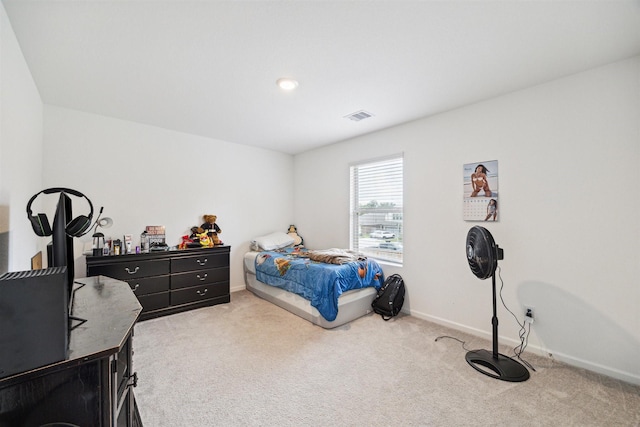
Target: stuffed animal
293, 232
212, 229
193, 240
195, 231
205, 240
186, 242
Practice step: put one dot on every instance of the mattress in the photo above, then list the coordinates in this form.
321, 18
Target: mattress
351, 304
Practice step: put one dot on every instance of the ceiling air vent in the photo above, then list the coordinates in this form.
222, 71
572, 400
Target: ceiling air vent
358, 115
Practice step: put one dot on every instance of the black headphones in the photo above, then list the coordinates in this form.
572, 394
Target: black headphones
75, 228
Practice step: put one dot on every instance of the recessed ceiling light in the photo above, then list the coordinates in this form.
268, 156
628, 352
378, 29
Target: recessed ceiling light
286, 83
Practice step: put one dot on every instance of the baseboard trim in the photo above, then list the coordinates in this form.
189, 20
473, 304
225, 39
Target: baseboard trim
544, 352
237, 289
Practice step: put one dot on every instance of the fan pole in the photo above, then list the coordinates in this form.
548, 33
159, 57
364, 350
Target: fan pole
494, 319
496, 365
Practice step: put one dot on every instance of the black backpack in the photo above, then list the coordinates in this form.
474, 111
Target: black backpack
390, 297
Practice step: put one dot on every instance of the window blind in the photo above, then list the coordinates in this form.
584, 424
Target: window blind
377, 208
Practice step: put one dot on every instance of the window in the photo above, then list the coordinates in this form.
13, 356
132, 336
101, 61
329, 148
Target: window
376, 208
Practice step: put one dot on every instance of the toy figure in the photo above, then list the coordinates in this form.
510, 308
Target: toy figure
293, 232
193, 240
212, 229
205, 240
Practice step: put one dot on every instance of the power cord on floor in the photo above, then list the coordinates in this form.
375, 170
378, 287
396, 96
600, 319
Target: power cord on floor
454, 338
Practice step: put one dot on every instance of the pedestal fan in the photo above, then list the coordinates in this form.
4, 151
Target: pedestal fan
483, 255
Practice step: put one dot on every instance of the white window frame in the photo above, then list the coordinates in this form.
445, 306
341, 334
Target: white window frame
378, 183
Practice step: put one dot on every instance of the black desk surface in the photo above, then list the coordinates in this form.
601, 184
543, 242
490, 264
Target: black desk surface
109, 310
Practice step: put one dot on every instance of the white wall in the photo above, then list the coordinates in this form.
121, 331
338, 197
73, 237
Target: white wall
568, 153
20, 152
144, 175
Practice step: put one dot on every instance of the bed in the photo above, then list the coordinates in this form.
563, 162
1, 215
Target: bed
288, 276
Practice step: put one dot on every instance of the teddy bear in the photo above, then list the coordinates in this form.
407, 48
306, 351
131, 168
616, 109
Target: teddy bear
293, 232
212, 229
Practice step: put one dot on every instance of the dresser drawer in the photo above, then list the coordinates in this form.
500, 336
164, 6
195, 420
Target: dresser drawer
199, 262
149, 285
131, 269
154, 301
200, 277
199, 293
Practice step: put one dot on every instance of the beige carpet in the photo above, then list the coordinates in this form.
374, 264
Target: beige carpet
252, 363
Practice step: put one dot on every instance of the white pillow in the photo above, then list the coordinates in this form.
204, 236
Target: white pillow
273, 241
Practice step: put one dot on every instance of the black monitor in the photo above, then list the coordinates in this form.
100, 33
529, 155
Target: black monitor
60, 250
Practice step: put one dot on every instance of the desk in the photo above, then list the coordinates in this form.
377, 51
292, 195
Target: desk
93, 385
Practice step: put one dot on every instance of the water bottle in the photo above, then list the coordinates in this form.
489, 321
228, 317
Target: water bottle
144, 241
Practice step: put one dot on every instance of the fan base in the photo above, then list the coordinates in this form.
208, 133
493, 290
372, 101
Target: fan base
501, 367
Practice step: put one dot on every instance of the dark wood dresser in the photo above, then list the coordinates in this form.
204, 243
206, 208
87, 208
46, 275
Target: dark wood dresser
93, 385
168, 282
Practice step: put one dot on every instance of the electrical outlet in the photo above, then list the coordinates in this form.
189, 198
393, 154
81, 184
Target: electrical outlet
529, 316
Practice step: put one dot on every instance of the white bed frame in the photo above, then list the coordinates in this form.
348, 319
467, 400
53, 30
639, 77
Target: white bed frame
351, 304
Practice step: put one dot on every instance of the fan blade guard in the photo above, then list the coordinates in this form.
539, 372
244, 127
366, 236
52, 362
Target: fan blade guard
482, 252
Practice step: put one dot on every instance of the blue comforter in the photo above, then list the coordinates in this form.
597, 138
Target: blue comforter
318, 282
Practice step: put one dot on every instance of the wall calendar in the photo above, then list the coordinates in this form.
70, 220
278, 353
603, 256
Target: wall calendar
480, 191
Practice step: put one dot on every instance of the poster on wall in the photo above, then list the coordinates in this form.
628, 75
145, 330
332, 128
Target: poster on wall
480, 201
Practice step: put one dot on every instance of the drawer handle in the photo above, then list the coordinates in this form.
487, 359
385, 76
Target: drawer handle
133, 380
131, 272
135, 288
202, 262
203, 278
203, 293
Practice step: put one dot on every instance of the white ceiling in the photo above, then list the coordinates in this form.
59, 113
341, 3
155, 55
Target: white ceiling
209, 67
